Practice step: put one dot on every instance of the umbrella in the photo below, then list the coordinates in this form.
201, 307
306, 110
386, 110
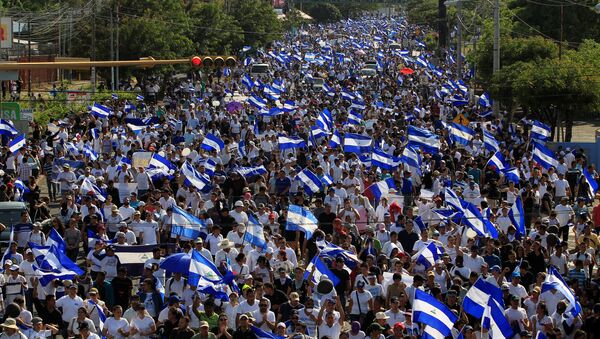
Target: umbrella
234, 106
177, 263
407, 71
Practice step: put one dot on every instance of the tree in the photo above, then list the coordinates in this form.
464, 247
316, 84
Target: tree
325, 12
257, 20
214, 31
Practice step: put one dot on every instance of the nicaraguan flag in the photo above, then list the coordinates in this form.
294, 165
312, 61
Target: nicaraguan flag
495, 321
321, 271
382, 160
248, 61
7, 253
291, 142
209, 166
412, 159
460, 134
257, 101
544, 156
333, 251
128, 107
592, 183
100, 111
424, 139
254, 233
271, 93
540, 131
328, 90
312, 184
336, 139
512, 175
428, 255
195, 178
202, 268
247, 172
260, 334
354, 118
452, 199
422, 62
54, 239
7, 128
300, 219
212, 142
358, 104
476, 299
346, 95
162, 163
381, 188
517, 216
472, 217
247, 81
114, 96
88, 186
17, 143
51, 263
72, 149
325, 120
497, 160
555, 281
139, 97
490, 143
484, 100
186, 225
356, 143
432, 312
89, 152
289, 106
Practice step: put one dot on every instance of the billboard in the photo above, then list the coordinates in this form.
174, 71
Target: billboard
6, 32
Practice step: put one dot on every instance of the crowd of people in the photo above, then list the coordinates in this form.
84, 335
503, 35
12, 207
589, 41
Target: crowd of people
229, 127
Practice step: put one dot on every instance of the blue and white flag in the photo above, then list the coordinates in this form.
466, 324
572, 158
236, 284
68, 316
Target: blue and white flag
476, 299
257, 101
52, 263
472, 217
317, 133
128, 107
356, 143
241, 148
271, 93
209, 166
497, 160
312, 184
354, 118
89, 152
555, 281
412, 159
246, 48
248, 61
325, 121
212, 142
544, 156
247, 81
347, 95
124, 161
540, 131
382, 160
301, 219
512, 175
195, 178
100, 111
251, 171
7, 253
432, 312
7, 128
254, 233
485, 100
490, 143
17, 143
452, 199
428, 255
290, 142
517, 216
495, 321
162, 163
381, 188
336, 139
54, 239
592, 183
321, 271
202, 268
260, 334
88, 186
114, 96
139, 97
71, 148
186, 225
328, 90
289, 106
424, 139
333, 251
460, 134
358, 104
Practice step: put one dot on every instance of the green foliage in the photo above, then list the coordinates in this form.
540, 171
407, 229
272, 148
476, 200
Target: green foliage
258, 21
325, 12
214, 31
56, 109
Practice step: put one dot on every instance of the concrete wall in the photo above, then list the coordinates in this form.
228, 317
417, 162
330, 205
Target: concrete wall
591, 149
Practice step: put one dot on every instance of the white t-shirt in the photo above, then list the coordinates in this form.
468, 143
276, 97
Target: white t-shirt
69, 306
142, 325
363, 299
259, 317
244, 307
113, 325
149, 229
332, 332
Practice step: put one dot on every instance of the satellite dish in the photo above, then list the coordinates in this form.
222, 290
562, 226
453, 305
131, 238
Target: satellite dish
185, 152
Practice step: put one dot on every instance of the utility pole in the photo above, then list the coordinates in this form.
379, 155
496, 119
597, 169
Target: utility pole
442, 24
117, 50
496, 56
561, 32
29, 53
93, 54
459, 62
112, 50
